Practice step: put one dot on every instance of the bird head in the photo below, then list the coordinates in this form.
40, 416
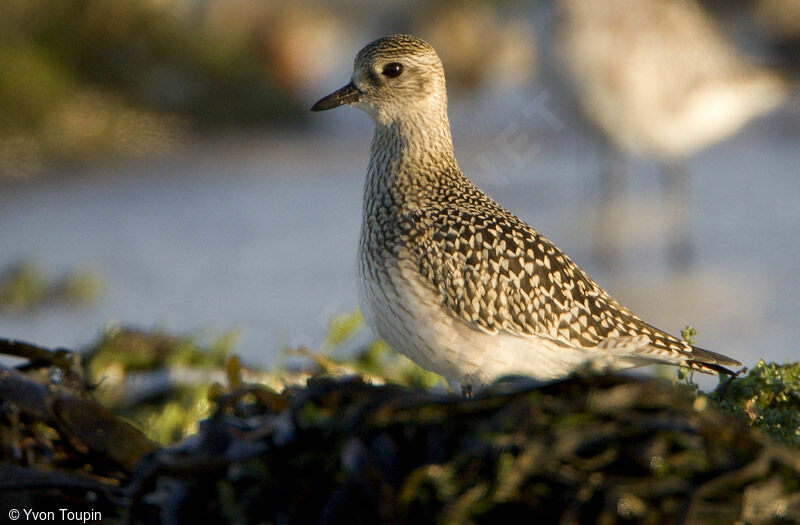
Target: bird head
395, 77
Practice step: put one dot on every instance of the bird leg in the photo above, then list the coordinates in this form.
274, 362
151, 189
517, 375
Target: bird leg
466, 390
677, 207
608, 231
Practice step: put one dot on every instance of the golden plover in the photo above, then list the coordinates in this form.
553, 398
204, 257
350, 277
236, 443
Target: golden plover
659, 80
451, 279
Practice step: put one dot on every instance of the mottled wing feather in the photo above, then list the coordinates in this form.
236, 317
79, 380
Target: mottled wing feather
499, 274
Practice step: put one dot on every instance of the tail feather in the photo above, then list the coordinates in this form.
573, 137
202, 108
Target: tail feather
639, 351
708, 362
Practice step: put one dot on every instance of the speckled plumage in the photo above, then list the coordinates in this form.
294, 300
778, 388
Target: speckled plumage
453, 280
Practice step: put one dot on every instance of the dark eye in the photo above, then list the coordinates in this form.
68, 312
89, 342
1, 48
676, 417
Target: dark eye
392, 70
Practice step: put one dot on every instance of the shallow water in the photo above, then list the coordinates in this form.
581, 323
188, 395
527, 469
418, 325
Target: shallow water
259, 233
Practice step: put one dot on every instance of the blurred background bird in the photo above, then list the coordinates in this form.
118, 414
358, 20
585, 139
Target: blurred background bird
659, 80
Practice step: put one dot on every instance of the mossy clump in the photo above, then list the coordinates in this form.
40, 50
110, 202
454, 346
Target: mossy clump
157, 380
22, 287
26, 287
768, 397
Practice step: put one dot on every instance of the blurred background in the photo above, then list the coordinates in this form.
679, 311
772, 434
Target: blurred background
159, 166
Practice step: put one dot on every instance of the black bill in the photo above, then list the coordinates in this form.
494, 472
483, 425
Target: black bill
346, 95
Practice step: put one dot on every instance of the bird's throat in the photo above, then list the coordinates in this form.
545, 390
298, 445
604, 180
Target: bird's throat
414, 149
